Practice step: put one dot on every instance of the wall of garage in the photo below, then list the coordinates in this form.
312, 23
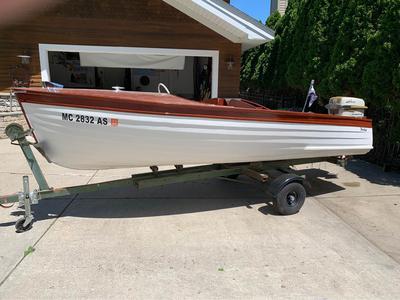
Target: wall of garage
127, 23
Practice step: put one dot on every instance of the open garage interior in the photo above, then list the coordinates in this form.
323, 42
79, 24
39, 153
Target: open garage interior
186, 76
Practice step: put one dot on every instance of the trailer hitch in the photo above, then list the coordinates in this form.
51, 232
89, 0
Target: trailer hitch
17, 135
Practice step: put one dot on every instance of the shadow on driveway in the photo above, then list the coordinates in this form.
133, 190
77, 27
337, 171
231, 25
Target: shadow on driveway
182, 198
373, 173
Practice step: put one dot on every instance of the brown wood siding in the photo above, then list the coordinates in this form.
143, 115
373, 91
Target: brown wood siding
126, 23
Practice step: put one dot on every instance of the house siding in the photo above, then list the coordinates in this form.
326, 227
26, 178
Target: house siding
279, 5
125, 23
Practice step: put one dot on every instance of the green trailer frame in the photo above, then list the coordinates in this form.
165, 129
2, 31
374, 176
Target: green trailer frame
292, 198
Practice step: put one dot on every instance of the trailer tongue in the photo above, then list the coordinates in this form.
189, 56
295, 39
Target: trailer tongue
286, 188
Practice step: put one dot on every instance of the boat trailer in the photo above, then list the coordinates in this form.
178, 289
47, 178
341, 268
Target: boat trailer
287, 189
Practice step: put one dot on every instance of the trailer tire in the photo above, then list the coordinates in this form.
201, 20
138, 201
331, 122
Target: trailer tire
290, 198
19, 225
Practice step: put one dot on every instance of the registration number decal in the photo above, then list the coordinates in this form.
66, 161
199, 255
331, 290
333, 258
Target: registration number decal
84, 119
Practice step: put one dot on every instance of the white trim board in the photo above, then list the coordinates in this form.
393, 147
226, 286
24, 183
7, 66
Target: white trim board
226, 20
45, 48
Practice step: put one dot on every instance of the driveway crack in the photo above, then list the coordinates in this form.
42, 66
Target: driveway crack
45, 232
354, 229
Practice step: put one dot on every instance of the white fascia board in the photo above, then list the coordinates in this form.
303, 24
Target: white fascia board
253, 32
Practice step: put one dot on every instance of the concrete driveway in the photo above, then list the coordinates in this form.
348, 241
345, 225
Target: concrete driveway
206, 240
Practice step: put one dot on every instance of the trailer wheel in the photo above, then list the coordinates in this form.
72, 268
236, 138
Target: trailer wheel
290, 198
19, 225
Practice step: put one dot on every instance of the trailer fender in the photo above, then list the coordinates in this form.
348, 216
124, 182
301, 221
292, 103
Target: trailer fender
281, 181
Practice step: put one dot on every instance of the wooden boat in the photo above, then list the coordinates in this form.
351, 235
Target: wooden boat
100, 129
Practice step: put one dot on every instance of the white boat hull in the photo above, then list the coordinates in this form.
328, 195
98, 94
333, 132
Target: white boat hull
137, 140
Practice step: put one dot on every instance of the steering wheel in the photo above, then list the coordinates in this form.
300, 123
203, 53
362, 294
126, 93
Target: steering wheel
162, 85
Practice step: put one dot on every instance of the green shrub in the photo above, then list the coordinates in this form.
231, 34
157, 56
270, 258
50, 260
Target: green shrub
349, 47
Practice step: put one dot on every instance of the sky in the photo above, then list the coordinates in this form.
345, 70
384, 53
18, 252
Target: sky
258, 9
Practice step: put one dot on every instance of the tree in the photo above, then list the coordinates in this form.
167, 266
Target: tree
349, 47
255, 62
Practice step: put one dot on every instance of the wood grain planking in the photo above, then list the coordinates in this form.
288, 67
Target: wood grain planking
151, 23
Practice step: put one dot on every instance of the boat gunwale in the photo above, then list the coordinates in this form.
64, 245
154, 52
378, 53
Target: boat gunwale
112, 101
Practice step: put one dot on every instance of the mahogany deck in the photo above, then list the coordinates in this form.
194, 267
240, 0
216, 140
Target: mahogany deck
164, 104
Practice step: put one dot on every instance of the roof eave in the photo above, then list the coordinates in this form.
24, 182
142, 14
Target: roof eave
226, 21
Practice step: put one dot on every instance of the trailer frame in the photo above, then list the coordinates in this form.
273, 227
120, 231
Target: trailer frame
264, 172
